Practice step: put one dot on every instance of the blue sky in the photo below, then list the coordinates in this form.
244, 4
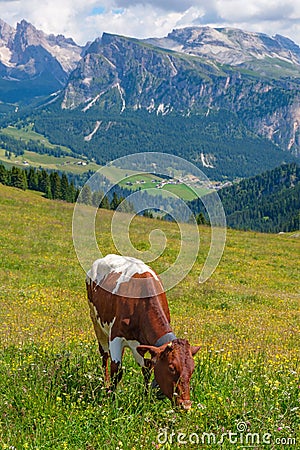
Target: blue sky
84, 21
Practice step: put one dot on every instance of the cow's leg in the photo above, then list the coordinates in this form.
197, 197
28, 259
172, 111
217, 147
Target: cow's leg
116, 353
116, 373
103, 345
105, 357
146, 374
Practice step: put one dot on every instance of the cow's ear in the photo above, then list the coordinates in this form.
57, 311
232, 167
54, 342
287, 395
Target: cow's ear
195, 349
143, 349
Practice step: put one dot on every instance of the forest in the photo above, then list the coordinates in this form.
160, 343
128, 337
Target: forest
232, 151
269, 202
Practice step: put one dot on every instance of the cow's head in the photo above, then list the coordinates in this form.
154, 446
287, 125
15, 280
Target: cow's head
173, 367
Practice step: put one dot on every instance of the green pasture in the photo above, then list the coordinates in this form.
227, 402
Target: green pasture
27, 133
63, 163
246, 384
144, 181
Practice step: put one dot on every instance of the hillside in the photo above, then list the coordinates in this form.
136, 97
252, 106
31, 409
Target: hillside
218, 143
269, 202
246, 318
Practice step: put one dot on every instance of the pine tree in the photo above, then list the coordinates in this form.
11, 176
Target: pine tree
55, 183
43, 180
32, 179
64, 187
18, 178
85, 195
105, 203
3, 175
72, 193
115, 201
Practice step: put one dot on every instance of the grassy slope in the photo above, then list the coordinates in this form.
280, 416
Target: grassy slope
65, 163
26, 133
246, 317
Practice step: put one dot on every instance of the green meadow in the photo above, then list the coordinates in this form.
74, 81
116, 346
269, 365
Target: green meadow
246, 384
48, 162
149, 181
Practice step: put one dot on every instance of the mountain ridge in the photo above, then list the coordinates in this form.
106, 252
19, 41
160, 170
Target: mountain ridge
115, 77
229, 45
117, 72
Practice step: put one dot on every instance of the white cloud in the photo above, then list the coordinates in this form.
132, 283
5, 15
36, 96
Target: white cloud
144, 18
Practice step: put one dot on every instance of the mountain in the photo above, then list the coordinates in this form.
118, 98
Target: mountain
33, 63
269, 202
231, 46
225, 99
261, 87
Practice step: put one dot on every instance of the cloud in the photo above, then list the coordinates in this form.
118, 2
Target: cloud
84, 21
167, 5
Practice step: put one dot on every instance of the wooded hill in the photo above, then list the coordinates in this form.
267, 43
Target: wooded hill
269, 202
229, 148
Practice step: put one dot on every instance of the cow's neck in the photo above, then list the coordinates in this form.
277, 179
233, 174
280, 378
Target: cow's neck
156, 327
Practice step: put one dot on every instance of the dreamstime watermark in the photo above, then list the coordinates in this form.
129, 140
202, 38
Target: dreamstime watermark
241, 437
165, 166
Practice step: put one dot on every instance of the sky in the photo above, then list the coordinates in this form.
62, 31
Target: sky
84, 20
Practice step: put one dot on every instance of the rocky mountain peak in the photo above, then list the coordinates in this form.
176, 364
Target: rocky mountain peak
35, 62
26, 35
229, 45
6, 33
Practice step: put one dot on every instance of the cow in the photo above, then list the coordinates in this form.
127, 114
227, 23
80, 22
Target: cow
129, 308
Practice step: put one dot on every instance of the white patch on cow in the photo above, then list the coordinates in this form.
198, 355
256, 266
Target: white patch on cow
103, 330
116, 348
117, 345
126, 266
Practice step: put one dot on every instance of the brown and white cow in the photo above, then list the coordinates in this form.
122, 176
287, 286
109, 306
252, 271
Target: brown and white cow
129, 309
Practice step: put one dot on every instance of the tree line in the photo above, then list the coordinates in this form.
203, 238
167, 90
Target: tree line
56, 186
53, 185
222, 135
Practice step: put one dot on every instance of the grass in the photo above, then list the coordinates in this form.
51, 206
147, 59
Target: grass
26, 133
185, 192
246, 318
63, 163
181, 190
